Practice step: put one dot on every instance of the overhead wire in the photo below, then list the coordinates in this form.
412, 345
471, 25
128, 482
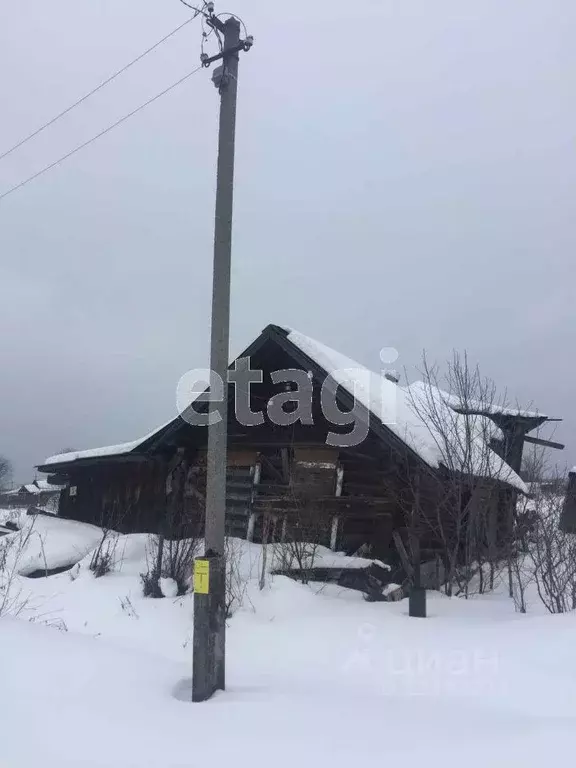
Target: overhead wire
99, 135
99, 87
195, 8
206, 35
197, 11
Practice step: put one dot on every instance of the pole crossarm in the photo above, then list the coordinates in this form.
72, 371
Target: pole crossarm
243, 45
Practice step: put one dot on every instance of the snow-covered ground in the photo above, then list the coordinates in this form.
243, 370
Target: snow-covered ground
44, 542
315, 675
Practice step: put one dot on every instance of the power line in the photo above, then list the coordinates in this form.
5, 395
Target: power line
99, 135
194, 8
99, 87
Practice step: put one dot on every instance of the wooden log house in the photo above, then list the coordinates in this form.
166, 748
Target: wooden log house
282, 477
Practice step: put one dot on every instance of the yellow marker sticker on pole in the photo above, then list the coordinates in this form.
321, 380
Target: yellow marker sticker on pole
202, 576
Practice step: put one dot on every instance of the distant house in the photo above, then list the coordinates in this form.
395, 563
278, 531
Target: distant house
39, 493
294, 473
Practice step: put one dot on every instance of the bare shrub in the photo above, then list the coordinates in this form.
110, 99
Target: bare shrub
128, 607
103, 558
467, 508
170, 559
150, 585
151, 578
173, 549
296, 554
304, 530
522, 577
553, 555
546, 552
12, 546
266, 526
178, 561
5, 472
236, 578
48, 620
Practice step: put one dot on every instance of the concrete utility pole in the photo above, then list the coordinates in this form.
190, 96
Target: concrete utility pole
210, 571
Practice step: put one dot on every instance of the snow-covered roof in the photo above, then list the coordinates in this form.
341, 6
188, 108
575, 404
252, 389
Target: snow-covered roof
108, 450
45, 486
91, 453
381, 397
29, 488
394, 407
35, 488
492, 409
484, 423
462, 441
384, 399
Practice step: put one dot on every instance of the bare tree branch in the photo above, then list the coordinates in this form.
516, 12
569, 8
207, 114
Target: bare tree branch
5, 473
463, 508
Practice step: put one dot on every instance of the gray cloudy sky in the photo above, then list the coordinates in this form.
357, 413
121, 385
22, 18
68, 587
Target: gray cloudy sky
405, 177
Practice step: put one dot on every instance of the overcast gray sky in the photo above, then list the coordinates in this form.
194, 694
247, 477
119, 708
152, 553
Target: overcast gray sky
405, 177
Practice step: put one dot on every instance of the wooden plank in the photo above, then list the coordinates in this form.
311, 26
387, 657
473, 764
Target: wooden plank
338, 501
403, 554
285, 465
237, 457
327, 505
363, 489
314, 454
242, 458
545, 443
273, 489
